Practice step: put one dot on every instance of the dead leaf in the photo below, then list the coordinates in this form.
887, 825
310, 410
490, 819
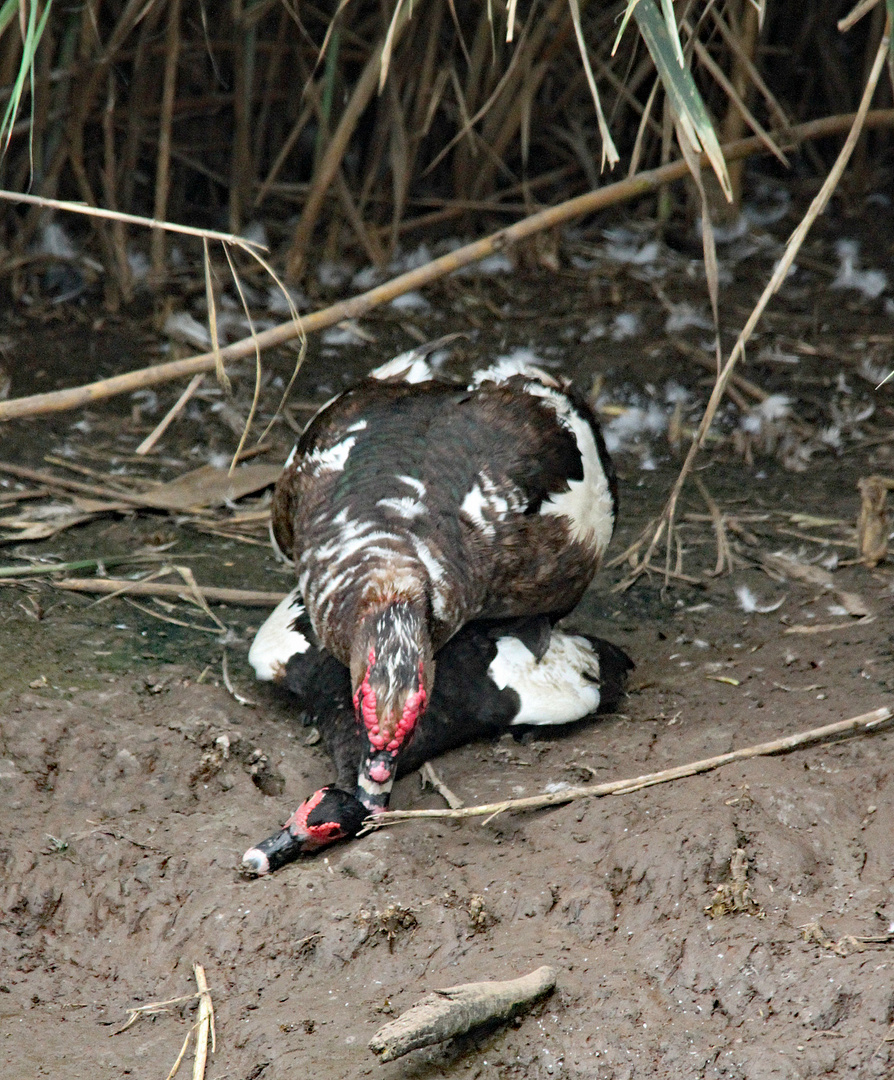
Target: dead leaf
798, 571
211, 486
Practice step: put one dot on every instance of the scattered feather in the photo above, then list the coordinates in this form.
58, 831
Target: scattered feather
182, 326
870, 283
342, 334
684, 315
411, 301
625, 325
749, 602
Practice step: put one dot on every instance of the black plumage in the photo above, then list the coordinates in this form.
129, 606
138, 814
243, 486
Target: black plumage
476, 695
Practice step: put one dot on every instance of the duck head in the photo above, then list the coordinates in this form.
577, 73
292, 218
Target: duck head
328, 815
392, 674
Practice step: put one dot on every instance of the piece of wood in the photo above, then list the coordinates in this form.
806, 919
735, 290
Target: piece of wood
856, 725
455, 1010
356, 306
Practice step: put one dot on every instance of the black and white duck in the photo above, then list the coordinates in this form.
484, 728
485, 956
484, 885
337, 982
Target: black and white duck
412, 506
493, 676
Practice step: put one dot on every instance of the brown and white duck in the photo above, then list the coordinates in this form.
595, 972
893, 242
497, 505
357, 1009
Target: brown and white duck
493, 676
411, 506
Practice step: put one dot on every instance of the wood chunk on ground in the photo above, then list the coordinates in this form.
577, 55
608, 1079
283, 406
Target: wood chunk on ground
455, 1010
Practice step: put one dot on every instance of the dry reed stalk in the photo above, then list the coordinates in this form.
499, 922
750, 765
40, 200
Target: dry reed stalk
121, 285
158, 246
110, 586
357, 306
241, 165
360, 98
203, 1028
170, 416
739, 86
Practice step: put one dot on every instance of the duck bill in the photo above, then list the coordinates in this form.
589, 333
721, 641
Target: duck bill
277, 850
330, 814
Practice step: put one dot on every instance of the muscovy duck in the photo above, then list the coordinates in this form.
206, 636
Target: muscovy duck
490, 680
411, 506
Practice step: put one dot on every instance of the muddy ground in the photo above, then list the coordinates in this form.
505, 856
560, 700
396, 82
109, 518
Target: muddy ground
131, 780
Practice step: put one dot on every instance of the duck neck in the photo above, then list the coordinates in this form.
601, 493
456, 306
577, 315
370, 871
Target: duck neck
392, 672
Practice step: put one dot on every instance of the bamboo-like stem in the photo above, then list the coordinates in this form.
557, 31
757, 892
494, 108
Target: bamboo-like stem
332, 159
121, 283
163, 159
217, 595
857, 725
357, 306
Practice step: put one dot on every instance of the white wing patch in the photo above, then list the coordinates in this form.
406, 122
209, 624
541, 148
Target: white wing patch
486, 503
331, 459
436, 575
555, 690
278, 640
413, 483
406, 507
588, 503
519, 363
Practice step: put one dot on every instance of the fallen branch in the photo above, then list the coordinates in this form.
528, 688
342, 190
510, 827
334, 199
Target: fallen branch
455, 1010
357, 306
857, 725
243, 597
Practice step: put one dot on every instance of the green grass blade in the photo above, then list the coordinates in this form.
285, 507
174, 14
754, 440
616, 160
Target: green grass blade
34, 29
683, 94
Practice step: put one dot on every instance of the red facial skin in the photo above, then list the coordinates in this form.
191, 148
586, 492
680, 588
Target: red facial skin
365, 708
319, 835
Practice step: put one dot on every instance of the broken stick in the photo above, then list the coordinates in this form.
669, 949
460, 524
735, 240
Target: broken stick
455, 1010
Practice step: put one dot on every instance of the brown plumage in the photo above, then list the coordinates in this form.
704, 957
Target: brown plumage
410, 508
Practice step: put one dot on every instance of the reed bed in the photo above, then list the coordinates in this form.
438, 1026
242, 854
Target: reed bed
343, 128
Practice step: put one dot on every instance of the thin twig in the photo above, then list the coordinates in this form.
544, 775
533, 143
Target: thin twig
225, 670
857, 725
170, 416
154, 1007
430, 777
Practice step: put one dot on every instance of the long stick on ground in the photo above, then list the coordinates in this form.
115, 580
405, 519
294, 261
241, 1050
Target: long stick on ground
857, 725
357, 306
457, 1009
242, 597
